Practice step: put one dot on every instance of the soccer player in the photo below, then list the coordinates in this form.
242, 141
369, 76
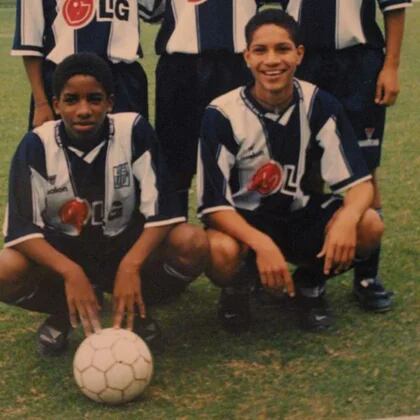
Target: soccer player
48, 31
344, 55
91, 209
258, 149
200, 44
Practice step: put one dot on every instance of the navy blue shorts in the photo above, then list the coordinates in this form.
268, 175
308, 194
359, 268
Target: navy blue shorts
350, 75
130, 83
185, 85
299, 234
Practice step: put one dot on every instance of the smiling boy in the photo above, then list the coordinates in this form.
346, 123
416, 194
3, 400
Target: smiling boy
91, 209
259, 146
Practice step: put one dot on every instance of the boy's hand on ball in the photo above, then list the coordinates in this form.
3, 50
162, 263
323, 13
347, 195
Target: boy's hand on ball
81, 301
127, 297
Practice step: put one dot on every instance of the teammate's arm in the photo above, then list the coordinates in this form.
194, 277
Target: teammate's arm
387, 85
271, 264
81, 299
341, 233
42, 108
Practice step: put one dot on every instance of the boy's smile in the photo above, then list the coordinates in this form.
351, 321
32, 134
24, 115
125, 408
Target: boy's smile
83, 105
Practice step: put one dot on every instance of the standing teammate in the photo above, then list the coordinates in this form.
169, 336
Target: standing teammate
91, 209
344, 55
258, 146
200, 44
47, 31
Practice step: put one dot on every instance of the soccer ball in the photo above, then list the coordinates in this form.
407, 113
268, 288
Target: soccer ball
113, 366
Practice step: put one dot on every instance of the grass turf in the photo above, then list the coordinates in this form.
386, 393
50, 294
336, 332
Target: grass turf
366, 368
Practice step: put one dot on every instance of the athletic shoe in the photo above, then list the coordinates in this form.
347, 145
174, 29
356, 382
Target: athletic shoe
148, 329
372, 295
314, 312
234, 310
52, 335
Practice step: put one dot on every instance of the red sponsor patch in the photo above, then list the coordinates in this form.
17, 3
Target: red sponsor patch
75, 212
267, 179
78, 12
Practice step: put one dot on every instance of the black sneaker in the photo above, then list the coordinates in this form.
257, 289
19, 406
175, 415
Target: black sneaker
52, 335
234, 310
314, 312
372, 295
149, 330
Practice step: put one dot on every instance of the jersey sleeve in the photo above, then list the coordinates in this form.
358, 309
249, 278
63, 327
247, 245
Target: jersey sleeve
29, 29
159, 201
216, 158
342, 162
23, 220
151, 10
388, 5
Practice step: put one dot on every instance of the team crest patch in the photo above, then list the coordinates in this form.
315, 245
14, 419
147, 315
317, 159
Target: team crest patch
267, 179
78, 13
121, 176
75, 212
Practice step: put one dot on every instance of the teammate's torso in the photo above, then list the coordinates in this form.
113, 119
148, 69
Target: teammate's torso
195, 26
338, 24
63, 27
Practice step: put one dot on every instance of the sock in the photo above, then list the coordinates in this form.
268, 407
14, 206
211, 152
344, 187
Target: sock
310, 282
368, 268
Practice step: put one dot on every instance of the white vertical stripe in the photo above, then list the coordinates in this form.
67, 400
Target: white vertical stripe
32, 22
242, 12
124, 37
199, 177
143, 171
348, 25
294, 8
185, 37
6, 220
225, 162
334, 166
64, 36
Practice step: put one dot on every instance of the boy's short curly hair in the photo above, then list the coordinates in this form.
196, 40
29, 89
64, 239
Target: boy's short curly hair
272, 17
83, 64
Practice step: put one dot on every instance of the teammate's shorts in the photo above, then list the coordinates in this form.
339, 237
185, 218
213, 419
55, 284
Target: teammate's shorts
185, 85
351, 75
300, 234
130, 83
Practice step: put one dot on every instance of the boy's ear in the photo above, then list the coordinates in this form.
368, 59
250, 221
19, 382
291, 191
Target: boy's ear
55, 105
301, 52
246, 55
111, 102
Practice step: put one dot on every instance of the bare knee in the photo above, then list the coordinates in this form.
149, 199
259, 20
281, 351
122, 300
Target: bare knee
226, 255
13, 266
370, 231
188, 249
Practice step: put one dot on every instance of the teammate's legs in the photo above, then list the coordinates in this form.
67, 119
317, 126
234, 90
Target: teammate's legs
130, 88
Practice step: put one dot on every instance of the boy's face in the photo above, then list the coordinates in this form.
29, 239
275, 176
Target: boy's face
83, 105
272, 57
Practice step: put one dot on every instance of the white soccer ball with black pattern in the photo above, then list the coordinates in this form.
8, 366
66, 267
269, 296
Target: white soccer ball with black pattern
113, 366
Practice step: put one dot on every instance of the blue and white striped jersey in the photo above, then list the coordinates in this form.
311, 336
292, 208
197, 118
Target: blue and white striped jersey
195, 26
257, 160
56, 29
338, 24
89, 194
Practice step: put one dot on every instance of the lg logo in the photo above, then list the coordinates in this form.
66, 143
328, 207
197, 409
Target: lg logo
78, 13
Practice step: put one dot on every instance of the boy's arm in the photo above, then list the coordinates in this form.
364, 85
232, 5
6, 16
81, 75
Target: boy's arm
387, 85
42, 108
127, 285
271, 264
81, 299
159, 206
341, 232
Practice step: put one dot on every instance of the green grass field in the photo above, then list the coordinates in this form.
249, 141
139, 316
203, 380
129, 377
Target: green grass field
367, 367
